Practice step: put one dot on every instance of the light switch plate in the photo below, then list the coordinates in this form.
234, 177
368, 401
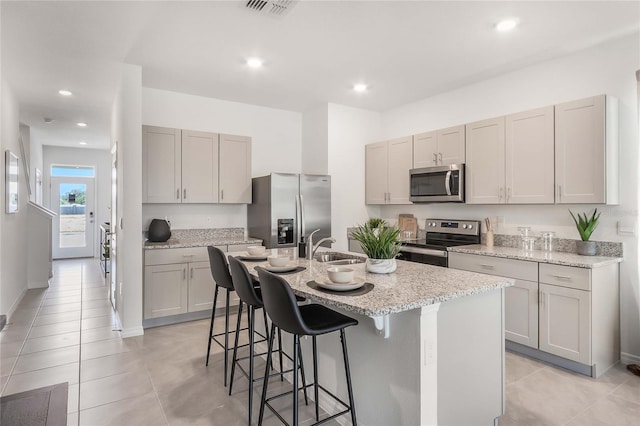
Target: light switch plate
627, 227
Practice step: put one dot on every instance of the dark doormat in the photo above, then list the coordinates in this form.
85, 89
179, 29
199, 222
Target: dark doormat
38, 407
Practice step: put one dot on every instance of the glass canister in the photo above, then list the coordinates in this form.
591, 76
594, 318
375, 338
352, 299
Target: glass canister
525, 232
547, 240
528, 243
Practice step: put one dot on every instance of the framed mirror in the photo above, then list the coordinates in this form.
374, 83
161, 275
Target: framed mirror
11, 182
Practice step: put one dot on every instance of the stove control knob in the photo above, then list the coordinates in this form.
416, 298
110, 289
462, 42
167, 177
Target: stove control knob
470, 226
464, 226
433, 224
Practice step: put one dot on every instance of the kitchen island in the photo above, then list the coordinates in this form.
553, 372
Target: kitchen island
429, 347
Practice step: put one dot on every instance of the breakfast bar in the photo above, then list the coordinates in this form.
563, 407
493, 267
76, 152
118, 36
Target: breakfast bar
429, 347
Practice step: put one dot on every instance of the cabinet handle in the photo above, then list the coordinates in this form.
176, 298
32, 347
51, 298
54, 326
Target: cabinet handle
561, 277
485, 266
508, 194
178, 193
440, 155
500, 191
541, 299
188, 255
184, 194
184, 274
222, 194
435, 158
191, 273
559, 192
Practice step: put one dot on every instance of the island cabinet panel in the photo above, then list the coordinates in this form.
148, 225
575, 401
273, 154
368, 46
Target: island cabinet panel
199, 167
387, 166
485, 171
586, 151
235, 169
521, 313
161, 165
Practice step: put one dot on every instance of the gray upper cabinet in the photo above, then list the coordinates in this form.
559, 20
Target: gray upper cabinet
439, 148
387, 166
161, 165
235, 169
586, 151
485, 162
199, 167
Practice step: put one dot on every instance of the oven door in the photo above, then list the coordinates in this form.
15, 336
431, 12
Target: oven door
424, 255
437, 184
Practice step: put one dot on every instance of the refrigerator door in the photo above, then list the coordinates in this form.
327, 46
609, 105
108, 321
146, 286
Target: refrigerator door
284, 191
315, 197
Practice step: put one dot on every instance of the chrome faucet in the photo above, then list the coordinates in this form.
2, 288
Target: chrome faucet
311, 248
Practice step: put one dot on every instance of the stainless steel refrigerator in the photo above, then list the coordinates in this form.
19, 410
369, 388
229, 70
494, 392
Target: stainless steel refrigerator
286, 206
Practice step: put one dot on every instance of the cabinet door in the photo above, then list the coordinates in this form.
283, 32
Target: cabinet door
161, 165
165, 290
425, 150
400, 162
235, 169
565, 322
580, 151
201, 286
485, 162
529, 157
376, 165
199, 167
521, 313
451, 143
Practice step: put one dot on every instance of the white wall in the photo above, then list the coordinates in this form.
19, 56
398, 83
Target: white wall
275, 147
37, 159
13, 262
608, 68
98, 158
126, 124
314, 141
350, 129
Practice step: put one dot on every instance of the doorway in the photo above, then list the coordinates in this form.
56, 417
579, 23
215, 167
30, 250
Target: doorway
72, 199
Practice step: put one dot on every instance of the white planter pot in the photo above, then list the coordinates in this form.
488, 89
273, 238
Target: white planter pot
381, 266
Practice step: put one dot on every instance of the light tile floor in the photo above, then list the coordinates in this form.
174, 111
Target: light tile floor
68, 333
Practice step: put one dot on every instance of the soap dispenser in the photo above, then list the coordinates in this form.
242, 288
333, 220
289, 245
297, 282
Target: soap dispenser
302, 248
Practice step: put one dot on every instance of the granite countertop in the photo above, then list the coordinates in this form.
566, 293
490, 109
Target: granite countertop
556, 258
181, 238
412, 286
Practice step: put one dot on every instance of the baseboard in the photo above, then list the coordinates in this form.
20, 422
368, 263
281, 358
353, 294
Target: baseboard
132, 332
3, 321
626, 358
39, 284
13, 307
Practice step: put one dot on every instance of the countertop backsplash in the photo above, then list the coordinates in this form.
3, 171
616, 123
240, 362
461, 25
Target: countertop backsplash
563, 245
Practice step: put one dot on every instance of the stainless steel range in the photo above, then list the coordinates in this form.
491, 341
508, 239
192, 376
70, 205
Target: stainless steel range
441, 233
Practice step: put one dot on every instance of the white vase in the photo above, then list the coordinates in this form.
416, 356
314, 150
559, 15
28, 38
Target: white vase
381, 266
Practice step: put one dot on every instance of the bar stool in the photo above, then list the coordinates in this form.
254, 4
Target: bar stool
306, 320
251, 296
222, 278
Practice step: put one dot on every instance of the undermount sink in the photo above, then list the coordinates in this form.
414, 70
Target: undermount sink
336, 258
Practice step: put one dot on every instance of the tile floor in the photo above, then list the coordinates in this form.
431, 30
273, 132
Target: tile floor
66, 333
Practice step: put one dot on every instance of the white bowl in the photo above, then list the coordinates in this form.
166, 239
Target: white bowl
256, 250
340, 274
278, 260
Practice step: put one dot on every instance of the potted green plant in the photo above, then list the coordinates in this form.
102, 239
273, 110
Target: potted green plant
381, 243
586, 226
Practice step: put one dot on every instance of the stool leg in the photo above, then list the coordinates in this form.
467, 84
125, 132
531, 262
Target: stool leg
213, 315
348, 374
315, 376
280, 351
234, 359
266, 328
296, 342
226, 340
266, 374
304, 380
252, 325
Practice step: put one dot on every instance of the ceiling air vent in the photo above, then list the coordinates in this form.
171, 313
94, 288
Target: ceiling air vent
271, 7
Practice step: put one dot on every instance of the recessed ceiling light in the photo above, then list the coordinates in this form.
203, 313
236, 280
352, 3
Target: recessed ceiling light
48, 120
64, 92
506, 25
254, 62
360, 87
82, 143
82, 124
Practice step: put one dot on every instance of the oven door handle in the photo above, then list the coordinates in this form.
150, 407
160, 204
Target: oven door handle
447, 182
419, 250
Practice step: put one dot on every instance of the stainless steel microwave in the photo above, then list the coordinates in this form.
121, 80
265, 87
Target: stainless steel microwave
437, 184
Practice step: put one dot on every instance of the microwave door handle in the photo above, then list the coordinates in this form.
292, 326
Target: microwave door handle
297, 224
302, 224
447, 182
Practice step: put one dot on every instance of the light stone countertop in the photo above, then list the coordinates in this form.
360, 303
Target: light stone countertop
556, 258
411, 286
181, 238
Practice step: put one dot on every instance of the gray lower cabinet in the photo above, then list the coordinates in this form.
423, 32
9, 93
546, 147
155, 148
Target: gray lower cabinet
178, 281
565, 311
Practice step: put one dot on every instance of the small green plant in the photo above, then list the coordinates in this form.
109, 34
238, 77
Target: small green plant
376, 222
586, 225
380, 242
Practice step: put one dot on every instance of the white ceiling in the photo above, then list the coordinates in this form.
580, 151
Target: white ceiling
405, 51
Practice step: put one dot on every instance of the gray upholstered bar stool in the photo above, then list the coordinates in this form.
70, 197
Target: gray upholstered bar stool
305, 320
222, 278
